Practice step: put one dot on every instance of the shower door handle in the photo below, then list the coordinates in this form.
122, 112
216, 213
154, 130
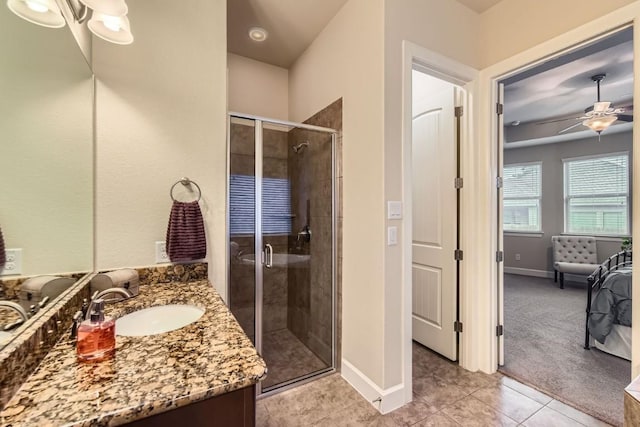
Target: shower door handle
268, 249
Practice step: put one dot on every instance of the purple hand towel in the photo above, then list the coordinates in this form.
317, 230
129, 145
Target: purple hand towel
186, 240
3, 255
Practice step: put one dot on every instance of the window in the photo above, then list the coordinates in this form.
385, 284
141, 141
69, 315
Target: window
596, 194
521, 185
276, 206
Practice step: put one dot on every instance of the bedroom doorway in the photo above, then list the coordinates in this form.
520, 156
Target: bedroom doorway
561, 180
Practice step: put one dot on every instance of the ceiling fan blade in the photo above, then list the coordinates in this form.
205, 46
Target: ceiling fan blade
625, 117
570, 127
556, 120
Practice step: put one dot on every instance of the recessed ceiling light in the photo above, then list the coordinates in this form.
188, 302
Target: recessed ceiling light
258, 34
515, 123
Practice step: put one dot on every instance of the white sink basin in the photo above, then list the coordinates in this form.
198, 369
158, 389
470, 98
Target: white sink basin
157, 320
280, 260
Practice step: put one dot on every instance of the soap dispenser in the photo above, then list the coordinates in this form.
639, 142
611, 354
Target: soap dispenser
96, 335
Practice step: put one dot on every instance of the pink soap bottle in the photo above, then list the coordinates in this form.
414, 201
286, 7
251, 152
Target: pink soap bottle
96, 335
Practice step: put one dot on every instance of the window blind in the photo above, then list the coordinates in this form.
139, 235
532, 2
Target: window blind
522, 192
276, 205
597, 195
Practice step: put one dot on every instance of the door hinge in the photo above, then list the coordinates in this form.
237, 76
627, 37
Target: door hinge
499, 330
499, 182
457, 326
499, 256
457, 254
499, 108
459, 111
458, 183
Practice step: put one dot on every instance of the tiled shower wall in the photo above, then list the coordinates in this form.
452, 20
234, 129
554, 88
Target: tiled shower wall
310, 290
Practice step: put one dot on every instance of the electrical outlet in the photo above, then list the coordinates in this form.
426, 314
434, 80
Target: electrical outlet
161, 253
14, 262
517, 257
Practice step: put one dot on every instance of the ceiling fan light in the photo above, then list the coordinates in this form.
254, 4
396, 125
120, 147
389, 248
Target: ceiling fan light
598, 124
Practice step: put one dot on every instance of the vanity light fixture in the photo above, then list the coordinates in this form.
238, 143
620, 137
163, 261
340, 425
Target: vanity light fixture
41, 12
258, 34
109, 20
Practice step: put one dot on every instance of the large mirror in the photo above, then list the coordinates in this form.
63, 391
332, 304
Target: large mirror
46, 167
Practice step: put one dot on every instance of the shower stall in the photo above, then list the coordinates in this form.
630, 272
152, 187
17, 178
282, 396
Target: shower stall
282, 245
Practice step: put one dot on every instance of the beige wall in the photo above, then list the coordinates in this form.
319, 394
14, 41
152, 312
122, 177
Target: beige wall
80, 32
346, 60
445, 27
257, 88
160, 116
512, 26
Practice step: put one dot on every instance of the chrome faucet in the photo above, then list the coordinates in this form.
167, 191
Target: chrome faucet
18, 309
99, 294
122, 291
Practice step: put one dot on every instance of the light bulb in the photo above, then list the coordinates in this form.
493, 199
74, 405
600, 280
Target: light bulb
113, 23
37, 6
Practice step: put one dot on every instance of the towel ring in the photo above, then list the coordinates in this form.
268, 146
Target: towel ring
186, 182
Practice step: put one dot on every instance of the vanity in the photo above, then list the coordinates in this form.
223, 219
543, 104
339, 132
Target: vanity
204, 372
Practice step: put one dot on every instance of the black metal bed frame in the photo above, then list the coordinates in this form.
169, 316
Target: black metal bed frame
596, 279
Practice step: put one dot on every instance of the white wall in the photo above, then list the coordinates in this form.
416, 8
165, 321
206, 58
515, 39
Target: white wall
161, 115
257, 88
346, 60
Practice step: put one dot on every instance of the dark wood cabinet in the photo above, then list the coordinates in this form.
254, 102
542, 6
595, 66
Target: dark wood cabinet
233, 409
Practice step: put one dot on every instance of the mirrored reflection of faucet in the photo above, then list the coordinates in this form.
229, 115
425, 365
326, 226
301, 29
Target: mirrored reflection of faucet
18, 309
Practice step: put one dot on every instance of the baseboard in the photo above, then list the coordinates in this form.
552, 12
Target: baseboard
543, 273
384, 401
529, 272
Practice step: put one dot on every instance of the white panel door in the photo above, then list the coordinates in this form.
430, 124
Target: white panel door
434, 222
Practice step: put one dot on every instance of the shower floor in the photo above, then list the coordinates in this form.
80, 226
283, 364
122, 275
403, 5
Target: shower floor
287, 357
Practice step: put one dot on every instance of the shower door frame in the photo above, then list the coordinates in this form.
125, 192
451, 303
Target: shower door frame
258, 241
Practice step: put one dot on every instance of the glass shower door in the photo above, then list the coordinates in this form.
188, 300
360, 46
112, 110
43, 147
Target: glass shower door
242, 236
297, 230
281, 245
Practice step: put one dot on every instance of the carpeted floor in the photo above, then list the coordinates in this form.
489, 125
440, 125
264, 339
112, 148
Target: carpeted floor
544, 335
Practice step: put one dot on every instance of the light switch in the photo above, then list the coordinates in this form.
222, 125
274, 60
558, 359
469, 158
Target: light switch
394, 210
392, 236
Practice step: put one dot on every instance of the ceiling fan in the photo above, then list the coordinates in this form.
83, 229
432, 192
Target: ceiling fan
601, 115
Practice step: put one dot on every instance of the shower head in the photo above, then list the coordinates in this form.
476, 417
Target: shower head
299, 147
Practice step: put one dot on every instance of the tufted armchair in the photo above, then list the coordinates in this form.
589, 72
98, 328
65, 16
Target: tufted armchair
573, 254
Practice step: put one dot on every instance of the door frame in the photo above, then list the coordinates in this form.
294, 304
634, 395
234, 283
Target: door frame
487, 167
447, 69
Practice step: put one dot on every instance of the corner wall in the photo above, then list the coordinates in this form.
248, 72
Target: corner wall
161, 115
258, 88
346, 60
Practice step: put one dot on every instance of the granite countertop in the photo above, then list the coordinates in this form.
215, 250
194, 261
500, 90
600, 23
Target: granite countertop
148, 375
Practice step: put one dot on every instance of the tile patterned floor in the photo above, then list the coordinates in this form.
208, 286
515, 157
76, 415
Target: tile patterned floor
443, 395
287, 357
